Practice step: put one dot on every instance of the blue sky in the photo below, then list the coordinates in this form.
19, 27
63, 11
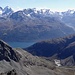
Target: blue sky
54, 5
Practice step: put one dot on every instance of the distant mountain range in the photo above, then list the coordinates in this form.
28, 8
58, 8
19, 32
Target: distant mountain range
33, 25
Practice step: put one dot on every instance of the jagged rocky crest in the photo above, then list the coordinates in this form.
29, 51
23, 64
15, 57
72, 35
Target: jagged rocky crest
7, 53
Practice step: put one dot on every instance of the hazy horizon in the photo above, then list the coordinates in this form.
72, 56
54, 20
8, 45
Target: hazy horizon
54, 5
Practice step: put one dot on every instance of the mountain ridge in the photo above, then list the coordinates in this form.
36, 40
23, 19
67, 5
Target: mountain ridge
62, 49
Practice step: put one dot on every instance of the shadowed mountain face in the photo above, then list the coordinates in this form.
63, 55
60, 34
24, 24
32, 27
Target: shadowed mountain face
49, 48
61, 48
23, 63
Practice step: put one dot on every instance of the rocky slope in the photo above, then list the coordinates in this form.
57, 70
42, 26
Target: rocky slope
7, 53
27, 64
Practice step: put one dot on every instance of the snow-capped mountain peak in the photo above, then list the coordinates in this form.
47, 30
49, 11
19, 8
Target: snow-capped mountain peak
6, 11
7, 7
71, 11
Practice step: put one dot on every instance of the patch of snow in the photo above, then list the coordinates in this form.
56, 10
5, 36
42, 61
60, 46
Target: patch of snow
43, 10
57, 62
0, 12
62, 31
60, 13
35, 11
28, 15
71, 27
72, 12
